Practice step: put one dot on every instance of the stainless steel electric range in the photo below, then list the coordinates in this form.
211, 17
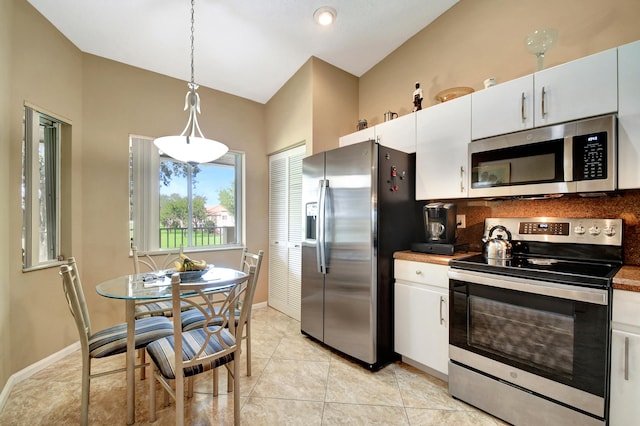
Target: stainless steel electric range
529, 330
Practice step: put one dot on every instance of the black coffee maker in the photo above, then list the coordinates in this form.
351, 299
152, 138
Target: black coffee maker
439, 229
440, 223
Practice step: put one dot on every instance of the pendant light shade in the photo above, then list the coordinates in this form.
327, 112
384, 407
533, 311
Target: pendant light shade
191, 146
192, 150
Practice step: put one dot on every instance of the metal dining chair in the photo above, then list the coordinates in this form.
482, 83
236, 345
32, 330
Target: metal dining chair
145, 262
194, 319
187, 353
107, 342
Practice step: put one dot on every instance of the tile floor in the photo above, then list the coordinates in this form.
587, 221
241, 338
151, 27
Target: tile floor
295, 381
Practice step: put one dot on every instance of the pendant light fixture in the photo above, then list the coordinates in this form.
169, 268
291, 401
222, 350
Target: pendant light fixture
191, 146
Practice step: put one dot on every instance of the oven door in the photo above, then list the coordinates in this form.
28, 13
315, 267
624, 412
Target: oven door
548, 338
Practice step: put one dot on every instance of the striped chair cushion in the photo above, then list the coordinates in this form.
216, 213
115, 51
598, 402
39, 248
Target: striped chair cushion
158, 308
195, 319
163, 355
113, 340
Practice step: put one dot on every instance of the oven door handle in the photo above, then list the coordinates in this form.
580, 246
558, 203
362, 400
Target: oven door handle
545, 288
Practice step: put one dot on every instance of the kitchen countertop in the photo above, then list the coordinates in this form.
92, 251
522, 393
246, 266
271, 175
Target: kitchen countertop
627, 278
439, 259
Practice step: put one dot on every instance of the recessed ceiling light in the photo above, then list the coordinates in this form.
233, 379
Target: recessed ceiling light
325, 15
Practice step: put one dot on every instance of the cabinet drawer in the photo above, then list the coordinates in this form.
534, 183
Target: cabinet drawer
423, 273
626, 307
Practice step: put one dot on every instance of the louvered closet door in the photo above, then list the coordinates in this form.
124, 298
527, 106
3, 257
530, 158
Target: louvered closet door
285, 230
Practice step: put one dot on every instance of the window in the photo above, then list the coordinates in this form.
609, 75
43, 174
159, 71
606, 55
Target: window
40, 189
174, 204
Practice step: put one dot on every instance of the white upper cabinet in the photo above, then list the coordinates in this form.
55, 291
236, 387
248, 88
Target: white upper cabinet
359, 136
443, 132
582, 88
399, 133
629, 116
505, 108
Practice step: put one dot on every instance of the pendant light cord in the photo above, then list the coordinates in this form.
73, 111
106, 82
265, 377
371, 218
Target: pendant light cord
192, 41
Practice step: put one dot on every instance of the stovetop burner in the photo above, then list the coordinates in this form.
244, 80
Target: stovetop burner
576, 251
590, 274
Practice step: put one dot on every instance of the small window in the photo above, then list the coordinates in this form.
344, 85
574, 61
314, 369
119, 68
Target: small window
40, 189
174, 204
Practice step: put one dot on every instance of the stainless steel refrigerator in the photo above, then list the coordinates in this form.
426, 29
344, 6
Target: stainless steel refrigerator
359, 208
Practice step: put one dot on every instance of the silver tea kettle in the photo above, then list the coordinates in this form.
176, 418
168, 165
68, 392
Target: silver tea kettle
498, 247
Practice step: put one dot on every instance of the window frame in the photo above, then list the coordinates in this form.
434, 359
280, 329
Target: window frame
32, 119
144, 200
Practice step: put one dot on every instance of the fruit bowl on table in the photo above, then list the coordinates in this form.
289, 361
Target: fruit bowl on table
186, 276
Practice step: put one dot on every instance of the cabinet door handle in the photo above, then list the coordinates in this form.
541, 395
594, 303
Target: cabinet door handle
418, 272
461, 178
626, 358
442, 302
544, 95
524, 117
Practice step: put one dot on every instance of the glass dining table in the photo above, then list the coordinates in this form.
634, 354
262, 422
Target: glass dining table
138, 288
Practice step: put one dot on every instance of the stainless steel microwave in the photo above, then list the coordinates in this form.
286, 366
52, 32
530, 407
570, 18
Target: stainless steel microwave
579, 156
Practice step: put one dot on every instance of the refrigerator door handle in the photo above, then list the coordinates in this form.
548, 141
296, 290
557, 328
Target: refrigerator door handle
320, 229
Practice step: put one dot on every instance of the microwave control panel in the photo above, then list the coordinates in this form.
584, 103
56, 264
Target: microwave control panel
590, 156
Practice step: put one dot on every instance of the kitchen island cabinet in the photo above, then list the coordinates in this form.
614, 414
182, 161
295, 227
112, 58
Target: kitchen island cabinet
629, 116
421, 311
443, 132
625, 359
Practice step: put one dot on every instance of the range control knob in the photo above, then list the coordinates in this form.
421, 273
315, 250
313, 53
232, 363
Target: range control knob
609, 231
594, 230
579, 229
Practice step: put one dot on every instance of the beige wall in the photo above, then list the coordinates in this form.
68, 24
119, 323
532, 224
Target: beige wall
119, 100
105, 101
289, 113
6, 8
478, 39
317, 105
335, 104
46, 70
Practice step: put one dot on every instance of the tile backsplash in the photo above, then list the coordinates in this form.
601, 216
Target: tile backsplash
624, 205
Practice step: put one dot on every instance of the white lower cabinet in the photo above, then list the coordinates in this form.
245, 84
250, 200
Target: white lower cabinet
421, 310
624, 406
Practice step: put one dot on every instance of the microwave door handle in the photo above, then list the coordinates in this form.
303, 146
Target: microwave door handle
568, 159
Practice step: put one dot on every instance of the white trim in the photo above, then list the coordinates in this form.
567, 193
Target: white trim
44, 111
259, 305
32, 369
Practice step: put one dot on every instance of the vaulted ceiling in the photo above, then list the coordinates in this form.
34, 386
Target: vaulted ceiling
248, 48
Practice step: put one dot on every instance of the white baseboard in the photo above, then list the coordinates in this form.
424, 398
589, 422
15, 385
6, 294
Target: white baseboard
259, 305
32, 369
